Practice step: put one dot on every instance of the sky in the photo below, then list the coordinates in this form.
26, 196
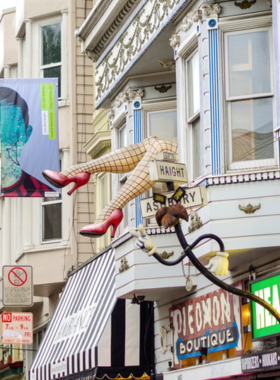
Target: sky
4, 4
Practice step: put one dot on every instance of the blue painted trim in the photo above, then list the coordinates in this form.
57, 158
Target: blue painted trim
202, 148
142, 51
214, 102
276, 66
137, 139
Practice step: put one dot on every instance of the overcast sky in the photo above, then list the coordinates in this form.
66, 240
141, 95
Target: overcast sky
4, 4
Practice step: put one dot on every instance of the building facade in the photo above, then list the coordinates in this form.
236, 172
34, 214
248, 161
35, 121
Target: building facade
204, 75
42, 232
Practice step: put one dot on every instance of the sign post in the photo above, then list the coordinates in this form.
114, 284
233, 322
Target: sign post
17, 285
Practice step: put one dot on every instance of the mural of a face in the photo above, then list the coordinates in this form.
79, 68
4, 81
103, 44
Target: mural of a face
15, 132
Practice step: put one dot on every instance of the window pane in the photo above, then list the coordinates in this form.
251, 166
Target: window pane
196, 148
249, 63
252, 129
123, 139
163, 125
193, 85
51, 37
52, 221
54, 72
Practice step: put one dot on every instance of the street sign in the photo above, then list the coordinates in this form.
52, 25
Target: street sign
194, 197
17, 285
165, 171
17, 328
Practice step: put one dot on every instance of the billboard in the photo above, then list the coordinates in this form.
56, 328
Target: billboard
262, 322
29, 136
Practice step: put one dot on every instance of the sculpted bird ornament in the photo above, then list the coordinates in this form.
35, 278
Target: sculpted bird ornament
169, 216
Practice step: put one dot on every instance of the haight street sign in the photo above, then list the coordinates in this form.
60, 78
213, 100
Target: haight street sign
213, 321
262, 322
194, 197
164, 171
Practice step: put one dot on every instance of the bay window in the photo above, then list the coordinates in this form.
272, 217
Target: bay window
249, 97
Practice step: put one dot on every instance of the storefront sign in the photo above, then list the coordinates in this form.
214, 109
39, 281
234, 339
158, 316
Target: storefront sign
212, 321
261, 361
263, 323
194, 197
17, 285
17, 328
167, 171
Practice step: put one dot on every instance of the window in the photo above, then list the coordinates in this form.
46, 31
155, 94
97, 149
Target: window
193, 116
249, 96
51, 223
51, 52
123, 177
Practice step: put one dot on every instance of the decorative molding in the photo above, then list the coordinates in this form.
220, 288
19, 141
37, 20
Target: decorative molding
211, 10
91, 55
269, 3
186, 24
196, 223
124, 265
193, 16
246, 23
188, 46
164, 255
168, 64
148, 21
111, 114
128, 95
246, 177
159, 230
175, 41
245, 4
163, 89
249, 209
100, 141
115, 24
163, 340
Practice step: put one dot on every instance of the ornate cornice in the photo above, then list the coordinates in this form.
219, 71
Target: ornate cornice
100, 141
168, 64
111, 114
138, 33
175, 41
128, 96
211, 10
193, 16
91, 55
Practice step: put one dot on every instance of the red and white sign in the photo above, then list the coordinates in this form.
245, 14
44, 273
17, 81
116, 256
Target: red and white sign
17, 285
17, 328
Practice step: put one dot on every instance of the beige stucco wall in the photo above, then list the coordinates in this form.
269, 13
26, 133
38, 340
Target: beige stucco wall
8, 47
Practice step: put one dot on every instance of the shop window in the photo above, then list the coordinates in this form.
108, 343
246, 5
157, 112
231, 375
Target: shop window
249, 97
193, 116
51, 52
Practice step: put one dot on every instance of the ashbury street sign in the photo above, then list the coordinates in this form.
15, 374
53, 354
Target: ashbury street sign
262, 322
167, 171
194, 197
261, 361
212, 321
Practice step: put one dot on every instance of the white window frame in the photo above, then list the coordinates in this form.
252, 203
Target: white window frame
37, 60
190, 120
247, 165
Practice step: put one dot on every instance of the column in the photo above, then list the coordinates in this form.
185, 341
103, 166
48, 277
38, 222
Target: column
64, 68
20, 64
28, 48
19, 225
7, 69
27, 223
212, 12
6, 255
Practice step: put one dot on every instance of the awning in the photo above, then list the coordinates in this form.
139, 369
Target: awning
92, 334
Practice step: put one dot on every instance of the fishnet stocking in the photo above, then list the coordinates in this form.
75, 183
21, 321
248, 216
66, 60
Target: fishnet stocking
137, 157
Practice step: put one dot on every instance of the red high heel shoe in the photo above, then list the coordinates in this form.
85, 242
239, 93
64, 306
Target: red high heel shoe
99, 229
59, 180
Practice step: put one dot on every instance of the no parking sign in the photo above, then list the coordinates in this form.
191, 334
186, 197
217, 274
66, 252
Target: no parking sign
17, 285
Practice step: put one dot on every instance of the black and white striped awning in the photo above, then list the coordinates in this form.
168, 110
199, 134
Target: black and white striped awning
92, 334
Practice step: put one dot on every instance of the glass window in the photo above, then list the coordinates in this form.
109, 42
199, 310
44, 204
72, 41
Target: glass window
51, 53
250, 99
52, 226
194, 135
163, 125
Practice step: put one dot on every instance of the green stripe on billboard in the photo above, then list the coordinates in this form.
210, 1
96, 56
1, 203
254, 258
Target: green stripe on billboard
51, 96
52, 125
44, 97
263, 323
